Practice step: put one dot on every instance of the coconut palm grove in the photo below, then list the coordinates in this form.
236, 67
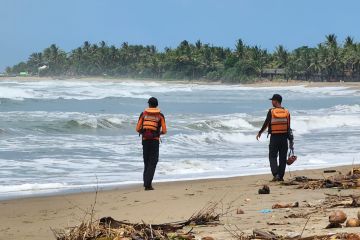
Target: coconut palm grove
330, 60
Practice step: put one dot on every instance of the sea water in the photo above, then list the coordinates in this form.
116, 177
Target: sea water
60, 136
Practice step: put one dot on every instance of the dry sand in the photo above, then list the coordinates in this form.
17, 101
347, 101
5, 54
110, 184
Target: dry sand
32, 218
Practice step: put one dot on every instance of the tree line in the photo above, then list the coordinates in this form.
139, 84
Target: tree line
328, 61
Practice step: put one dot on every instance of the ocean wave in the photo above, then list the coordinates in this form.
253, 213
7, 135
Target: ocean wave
185, 167
84, 90
15, 93
47, 121
332, 91
105, 123
212, 138
347, 109
335, 110
222, 123
306, 124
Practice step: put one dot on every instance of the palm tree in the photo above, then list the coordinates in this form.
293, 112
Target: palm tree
198, 44
281, 56
240, 49
333, 64
35, 61
349, 42
331, 40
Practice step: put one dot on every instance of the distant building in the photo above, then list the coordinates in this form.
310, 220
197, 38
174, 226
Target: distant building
24, 74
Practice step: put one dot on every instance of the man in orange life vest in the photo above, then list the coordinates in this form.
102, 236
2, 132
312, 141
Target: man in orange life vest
151, 125
278, 124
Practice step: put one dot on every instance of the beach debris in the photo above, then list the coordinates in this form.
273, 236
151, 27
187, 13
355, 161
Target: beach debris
345, 201
109, 228
340, 181
277, 223
257, 233
358, 214
264, 190
337, 216
238, 234
266, 211
207, 238
260, 234
330, 171
239, 211
333, 225
353, 222
285, 205
300, 214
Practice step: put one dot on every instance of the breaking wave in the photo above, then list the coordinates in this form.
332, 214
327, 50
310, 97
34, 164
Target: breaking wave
84, 90
306, 124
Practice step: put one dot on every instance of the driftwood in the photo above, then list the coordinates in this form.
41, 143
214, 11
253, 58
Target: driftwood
109, 228
345, 201
261, 234
301, 214
285, 205
340, 181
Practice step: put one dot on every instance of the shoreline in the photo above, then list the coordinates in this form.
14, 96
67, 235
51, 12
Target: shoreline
33, 217
130, 185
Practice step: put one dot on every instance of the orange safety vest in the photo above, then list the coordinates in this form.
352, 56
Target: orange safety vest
280, 121
151, 124
151, 121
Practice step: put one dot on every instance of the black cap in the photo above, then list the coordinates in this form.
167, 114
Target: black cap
153, 102
276, 97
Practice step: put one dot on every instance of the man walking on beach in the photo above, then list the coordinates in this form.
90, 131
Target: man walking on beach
151, 125
278, 124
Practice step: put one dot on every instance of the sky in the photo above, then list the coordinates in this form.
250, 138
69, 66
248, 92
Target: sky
28, 26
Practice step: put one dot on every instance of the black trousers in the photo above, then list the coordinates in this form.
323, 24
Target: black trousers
151, 158
278, 147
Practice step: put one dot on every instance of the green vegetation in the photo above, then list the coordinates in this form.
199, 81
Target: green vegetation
328, 61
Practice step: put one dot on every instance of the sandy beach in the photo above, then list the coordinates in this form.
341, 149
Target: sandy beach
32, 218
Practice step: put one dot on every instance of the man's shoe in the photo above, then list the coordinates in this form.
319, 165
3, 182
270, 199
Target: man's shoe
149, 188
274, 179
280, 179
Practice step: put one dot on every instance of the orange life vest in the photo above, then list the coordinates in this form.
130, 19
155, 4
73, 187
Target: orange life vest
151, 124
280, 121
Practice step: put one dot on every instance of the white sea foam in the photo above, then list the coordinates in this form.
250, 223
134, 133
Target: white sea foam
223, 122
306, 124
184, 167
213, 138
68, 119
15, 93
347, 109
335, 110
32, 187
82, 90
333, 91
